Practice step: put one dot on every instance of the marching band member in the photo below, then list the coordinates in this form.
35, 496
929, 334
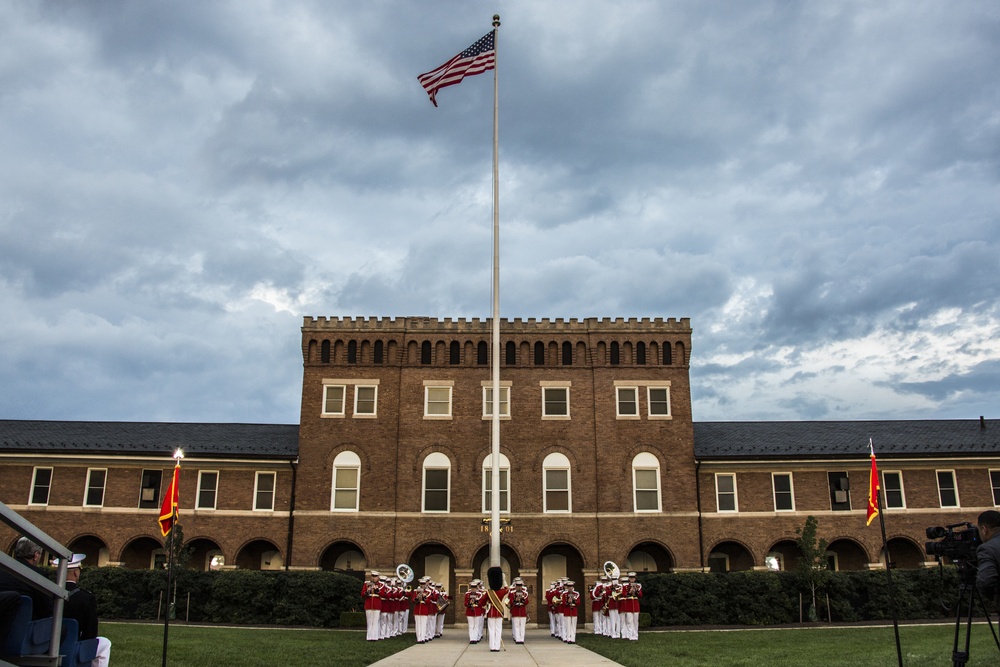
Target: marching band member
424, 599
473, 611
484, 602
551, 607
598, 603
517, 600
632, 591
614, 621
406, 599
443, 600
571, 605
371, 591
494, 616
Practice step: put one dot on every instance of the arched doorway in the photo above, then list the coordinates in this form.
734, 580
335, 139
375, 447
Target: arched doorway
205, 555
648, 557
554, 562
904, 554
259, 555
730, 557
93, 548
436, 561
510, 563
845, 555
783, 556
143, 553
345, 557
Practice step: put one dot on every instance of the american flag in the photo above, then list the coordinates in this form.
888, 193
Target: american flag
476, 59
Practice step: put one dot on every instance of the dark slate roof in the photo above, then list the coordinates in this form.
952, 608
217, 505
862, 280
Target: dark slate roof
846, 439
269, 441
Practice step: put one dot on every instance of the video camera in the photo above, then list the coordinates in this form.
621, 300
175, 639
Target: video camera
958, 545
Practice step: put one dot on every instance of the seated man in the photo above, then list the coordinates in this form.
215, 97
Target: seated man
82, 606
28, 554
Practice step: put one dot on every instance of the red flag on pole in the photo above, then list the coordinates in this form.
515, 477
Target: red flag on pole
168, 510
873, 488
478, 58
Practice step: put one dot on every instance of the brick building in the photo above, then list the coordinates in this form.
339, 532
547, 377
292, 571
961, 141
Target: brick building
600, 460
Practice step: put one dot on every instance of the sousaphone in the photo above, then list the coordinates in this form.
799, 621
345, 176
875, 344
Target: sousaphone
612, 570
404, 572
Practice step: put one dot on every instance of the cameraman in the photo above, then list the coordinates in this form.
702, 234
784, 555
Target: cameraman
988, 553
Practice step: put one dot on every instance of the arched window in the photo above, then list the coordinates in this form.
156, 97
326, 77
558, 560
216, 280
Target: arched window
377, 355
352, 352
539, 353
324, 352
437, 483
510, 353
567, 353
488, 484
666, 355
454, 353
640, 353
646, 482
425, 353
556, 491
482, 353
616, 355
346, 482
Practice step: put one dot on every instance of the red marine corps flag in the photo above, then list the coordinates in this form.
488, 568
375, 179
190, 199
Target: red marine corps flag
168, 510
873, 487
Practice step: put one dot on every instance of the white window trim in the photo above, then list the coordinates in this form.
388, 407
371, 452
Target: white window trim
31, 491
343, 400
437, 384
670, 409
546, 385
618, 402
568, 490
996, 500
791, 491
488, 482
954, 482
215, 498
504, 391
736, 495
256, 490
423, 485
636, 489
366, 415
902, 488
352, 465
86, 489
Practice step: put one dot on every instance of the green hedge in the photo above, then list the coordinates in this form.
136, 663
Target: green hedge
323, 599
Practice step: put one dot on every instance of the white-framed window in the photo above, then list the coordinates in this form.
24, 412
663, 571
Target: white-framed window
892, 489
556, 488
437, 483
263, 494
627, 402
97, 478
346, 482
334, 400
995, 485
208, 488
437, 400
840, 491
41, 484
149, 489
488, 400
504, 484
784, 493
658, 398
646, 483
555, 402
725, 492
366, 400
947, 488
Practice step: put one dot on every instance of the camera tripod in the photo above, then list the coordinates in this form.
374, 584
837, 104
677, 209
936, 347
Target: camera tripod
967, 591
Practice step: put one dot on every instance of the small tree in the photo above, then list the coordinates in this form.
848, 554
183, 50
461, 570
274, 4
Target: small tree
812, 567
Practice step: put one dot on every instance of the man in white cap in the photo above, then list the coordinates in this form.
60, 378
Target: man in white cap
632, 591
571, 607
371, 591
442, 603
473, 611
517, 600
598, 598
82, 606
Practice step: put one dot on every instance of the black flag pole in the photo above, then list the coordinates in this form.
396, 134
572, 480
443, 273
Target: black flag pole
876, 499
170, 573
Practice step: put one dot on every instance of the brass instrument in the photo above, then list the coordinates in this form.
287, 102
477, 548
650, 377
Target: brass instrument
404, 572
612, 570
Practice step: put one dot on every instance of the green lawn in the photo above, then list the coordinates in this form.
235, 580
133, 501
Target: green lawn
922, 646
138, 645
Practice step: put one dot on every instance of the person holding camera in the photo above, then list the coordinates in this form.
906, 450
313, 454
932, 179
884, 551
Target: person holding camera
988, 553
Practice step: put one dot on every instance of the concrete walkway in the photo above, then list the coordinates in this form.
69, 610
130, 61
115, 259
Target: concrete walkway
454, 650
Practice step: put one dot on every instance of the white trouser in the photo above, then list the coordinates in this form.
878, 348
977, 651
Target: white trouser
372, 618
628, 619
103, 652
598, 622
495, 626
552, 623
480, 624
569, 629
517, 626
472, 627
614, 624
440, 624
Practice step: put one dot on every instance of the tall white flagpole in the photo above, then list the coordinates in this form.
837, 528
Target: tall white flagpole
495, 440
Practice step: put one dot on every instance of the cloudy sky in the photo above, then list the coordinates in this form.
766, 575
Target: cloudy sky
815, 184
